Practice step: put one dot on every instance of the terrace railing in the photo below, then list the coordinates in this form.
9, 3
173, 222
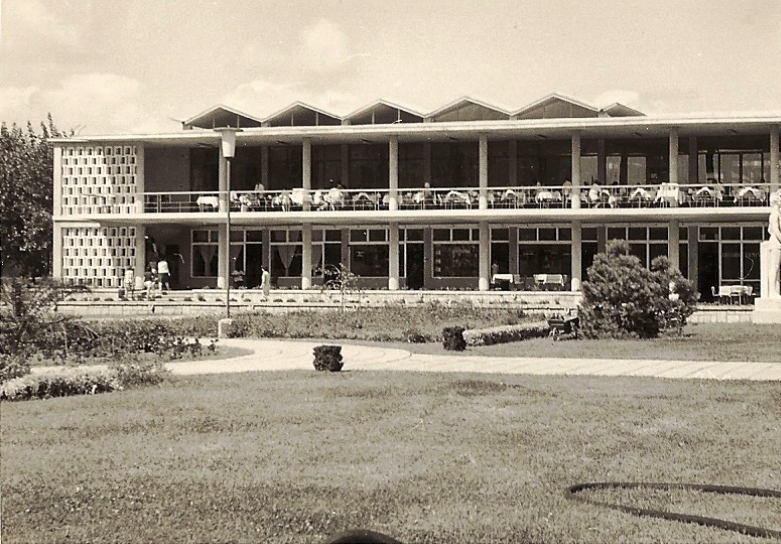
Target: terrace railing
550, 197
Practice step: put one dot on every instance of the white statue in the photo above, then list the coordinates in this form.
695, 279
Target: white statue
774, 270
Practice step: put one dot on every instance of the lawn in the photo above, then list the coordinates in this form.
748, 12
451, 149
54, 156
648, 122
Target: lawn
699, 342
290, 457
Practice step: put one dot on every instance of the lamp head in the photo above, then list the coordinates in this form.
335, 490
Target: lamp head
228, 141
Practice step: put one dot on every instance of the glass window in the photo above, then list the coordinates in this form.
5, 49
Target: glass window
500, 234
753, 233
636, 170
461, 235
369, 260
358, 236
730, 233
441, 235
548, 234
709, 233
414, 235
730, 167
588, 169
638, 233
660, 233
731, 258
565, 234
456, 260
333, 236
377, 235
588, 234
616, 233
527, 235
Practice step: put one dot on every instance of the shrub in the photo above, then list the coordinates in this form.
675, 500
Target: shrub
506, 333
64, 382
624, 299
328, 358
453, 338
13, 366
133, 372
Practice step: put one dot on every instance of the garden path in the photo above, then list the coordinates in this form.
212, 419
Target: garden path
293, 354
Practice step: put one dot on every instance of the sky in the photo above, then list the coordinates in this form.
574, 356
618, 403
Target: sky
143, 66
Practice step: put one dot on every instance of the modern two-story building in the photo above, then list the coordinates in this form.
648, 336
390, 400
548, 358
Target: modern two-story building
452, 199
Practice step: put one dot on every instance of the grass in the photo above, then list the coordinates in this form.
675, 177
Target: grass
700, 342
290, 457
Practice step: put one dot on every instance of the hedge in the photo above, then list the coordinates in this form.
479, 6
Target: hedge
506, 333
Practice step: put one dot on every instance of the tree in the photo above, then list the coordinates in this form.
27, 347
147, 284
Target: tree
624, 299
26, 195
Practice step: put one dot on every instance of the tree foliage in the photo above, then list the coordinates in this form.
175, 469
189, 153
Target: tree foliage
26, 195
624, 299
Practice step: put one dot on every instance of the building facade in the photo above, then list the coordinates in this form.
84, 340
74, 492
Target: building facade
454, 199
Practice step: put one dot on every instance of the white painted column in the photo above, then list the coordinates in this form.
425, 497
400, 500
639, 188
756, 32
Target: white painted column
306, 173
140, 247
306, 256
393, 182
577, 252
393, 257
673, 163
674, 243
140, 178
483, 176
575, 170
484, 283
774, 159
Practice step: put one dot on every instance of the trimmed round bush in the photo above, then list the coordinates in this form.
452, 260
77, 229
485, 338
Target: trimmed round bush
453, 338
328, 358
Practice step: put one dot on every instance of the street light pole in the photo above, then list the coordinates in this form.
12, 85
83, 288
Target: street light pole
228, 146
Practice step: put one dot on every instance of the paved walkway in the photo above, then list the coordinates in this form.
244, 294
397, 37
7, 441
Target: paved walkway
289, 355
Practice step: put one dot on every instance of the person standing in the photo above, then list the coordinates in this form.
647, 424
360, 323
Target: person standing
164, 273
265, 281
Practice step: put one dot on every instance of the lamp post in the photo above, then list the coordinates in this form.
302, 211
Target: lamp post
228, 146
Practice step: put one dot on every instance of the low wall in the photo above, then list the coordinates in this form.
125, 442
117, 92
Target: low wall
212, 301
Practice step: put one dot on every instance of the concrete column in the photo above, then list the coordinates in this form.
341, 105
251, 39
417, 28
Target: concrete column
57, 177
673, 163
514, 254
345, 164
140, 178
693, 243
427, 161
577, 255
484, 284
140, 247
512, 157
393, 182
428, 252
265, 257
264, 163
601, 162
673, 243
306, 175
223, 256
694, 161
345, 248
393, 257
575, 170
56, 212
222, 175
774, 159
306, 256
483, 171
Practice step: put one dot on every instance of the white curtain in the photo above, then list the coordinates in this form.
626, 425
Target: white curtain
207, 252
235, 251
286, 254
